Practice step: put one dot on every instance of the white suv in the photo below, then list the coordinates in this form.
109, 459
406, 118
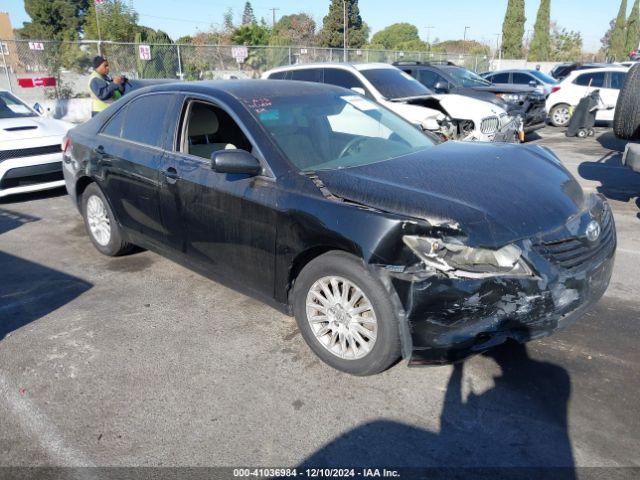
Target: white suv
580, 83
449, 116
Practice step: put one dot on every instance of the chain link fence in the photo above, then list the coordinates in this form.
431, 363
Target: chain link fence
70, 62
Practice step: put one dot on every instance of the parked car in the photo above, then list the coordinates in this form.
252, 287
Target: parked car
449, 116
30, 148
327, 205
562, 70
540, 81
581, 83
446, 78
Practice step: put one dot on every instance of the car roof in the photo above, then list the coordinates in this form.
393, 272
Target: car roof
242, 89
344, 65
614, 68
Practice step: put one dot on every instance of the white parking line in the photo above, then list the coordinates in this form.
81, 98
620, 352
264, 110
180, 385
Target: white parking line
39, 428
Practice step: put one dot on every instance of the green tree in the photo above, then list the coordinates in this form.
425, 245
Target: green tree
513, 29
54, 19
164, 55
248, 17
118, 21
332, 33
618, 36
253, 35
633, 28
566, 45
227, 20
394, 35
296, 29
541, 44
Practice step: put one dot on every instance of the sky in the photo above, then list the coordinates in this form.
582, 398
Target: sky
483, 17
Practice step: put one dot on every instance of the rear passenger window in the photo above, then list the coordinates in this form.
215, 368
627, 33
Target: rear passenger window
145, 119
341, 78
617, 79
307, 75
114, 125
522, 79
277, 76
500, 78
429, 78
590, 79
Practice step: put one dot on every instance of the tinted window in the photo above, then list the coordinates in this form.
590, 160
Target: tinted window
429, 78
591, 79
114, 125
307, 75
543, 77
11, 107
500, 78
466, 78
341, 78
277, 76
145, 119
617, 79
393, 83
522, 79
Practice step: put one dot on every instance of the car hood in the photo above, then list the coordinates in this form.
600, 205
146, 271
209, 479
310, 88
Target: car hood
412, 113
496, 193
27, 128
462, 107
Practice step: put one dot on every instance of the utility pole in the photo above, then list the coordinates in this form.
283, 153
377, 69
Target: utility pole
429, 35
464, 40
346, 28
273, 12
498, 50
97, 6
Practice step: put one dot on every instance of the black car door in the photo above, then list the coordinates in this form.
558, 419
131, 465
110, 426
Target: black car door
130, 151
224, 223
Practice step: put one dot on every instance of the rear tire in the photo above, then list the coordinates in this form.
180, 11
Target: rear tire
367, 338
626, 120
559, 115
101, 225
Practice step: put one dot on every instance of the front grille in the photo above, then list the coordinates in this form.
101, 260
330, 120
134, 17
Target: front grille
572, 253
489, 125
29, 152
32, 175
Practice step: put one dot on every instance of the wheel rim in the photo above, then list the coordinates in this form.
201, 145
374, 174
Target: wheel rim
342, 318
561, 115
98, 220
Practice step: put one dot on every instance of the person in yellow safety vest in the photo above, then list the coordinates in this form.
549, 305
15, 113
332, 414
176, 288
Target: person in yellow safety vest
103, 89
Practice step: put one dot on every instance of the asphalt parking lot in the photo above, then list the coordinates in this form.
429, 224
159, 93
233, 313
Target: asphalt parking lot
138, 361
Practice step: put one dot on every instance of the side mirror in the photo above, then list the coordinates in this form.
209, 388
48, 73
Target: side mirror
38, 108
441, 87
358, 90
235, 161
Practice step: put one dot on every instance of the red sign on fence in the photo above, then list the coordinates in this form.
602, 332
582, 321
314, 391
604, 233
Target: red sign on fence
37, 82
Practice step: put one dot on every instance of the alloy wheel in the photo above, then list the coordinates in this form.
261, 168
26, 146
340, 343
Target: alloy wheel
98, 220
561, 116
341, 317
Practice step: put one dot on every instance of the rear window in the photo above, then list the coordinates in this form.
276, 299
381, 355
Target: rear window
145, 118
591, 79
307, 75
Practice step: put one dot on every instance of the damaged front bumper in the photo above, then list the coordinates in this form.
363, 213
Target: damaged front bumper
445, 318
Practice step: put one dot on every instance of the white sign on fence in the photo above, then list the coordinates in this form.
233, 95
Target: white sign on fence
240, 53
303, 51
145, 52
36, 46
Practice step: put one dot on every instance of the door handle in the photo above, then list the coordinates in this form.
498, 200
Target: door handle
171, 175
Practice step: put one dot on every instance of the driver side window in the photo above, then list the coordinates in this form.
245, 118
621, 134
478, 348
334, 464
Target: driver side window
207, 129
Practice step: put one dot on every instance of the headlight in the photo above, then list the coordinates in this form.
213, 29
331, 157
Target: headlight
512, 97
467, 261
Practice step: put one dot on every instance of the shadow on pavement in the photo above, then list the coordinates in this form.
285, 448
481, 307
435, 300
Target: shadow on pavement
30, 291
617, 182
609, 141
520, 422
10, 220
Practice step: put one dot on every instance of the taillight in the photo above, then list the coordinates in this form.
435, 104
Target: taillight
66, 144
555, 89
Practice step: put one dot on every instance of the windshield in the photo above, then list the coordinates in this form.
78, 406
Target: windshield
543, 77
330, 130
467, 78
394, 84
12, 107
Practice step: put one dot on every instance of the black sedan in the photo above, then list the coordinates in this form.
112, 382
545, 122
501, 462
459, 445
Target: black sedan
380, 240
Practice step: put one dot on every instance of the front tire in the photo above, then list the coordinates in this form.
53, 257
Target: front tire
101, 225
345, 315
560, 115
